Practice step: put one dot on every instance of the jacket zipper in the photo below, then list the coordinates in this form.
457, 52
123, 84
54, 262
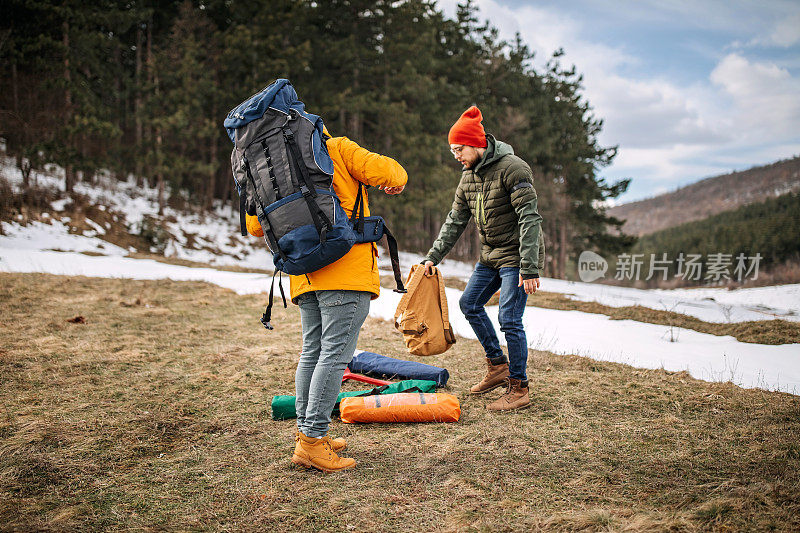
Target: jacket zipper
481, 218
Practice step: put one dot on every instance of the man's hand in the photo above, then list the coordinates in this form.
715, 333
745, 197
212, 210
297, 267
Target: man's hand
429, 268
530, 284
394, 190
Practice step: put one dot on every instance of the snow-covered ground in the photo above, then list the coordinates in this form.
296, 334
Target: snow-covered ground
48, 246
704, 356
77, 264
215, 238
53, 236
708, 304
642, 345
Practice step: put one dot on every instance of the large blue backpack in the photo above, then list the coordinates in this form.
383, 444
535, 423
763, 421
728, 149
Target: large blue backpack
284, 176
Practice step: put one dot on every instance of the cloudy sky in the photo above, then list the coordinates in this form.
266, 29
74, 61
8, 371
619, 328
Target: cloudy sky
687, 89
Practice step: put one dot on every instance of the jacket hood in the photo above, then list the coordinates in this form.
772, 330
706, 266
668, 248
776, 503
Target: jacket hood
495, 150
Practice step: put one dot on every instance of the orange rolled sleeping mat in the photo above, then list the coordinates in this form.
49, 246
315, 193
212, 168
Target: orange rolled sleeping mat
401, 407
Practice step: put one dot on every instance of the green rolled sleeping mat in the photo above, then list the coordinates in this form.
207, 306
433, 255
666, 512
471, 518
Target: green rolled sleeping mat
283, 406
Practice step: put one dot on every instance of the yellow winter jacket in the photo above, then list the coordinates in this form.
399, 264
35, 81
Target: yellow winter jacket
358, 269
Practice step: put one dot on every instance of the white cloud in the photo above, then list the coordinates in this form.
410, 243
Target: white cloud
784, 34
545, 31
637, 112
743, 113
657, 170
787, 33
764, 97
652, 113
657, 165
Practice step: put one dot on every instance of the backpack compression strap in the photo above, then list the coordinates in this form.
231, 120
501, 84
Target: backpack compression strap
270, 170
273, 242
321, 220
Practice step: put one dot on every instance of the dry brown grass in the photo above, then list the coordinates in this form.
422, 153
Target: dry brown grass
155, 415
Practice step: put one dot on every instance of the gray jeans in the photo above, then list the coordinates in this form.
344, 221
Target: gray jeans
331, 321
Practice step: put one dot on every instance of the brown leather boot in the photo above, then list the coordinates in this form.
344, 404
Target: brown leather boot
338, 444
516, 397
317, 453
496, 376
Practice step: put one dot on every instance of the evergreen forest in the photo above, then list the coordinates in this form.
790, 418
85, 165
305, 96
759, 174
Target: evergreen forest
769, 229
140, 88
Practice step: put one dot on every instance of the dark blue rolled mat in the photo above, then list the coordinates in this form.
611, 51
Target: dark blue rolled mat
375, 365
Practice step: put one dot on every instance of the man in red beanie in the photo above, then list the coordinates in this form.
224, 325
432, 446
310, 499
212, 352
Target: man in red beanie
496, 188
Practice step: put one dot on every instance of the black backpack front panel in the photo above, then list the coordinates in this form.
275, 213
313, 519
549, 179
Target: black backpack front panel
266, 170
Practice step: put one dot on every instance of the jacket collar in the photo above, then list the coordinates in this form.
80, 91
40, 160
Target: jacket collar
495, 150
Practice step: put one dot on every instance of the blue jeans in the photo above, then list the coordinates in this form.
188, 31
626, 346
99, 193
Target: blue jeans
484, 282
331, 321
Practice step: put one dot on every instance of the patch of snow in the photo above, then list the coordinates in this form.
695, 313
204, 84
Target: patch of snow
642, 345
75, 264
55, 236
704, 356
97, 227
776, 297
216, 241
60, 205
711, 305
449, 267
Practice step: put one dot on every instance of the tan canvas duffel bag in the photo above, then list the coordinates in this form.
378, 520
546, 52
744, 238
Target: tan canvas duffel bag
422, 314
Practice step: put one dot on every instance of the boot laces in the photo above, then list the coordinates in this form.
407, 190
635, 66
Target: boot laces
326, 442
510, 389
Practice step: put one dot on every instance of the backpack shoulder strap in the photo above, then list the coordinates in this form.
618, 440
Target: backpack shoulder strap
448, 330
357, 217
395, 259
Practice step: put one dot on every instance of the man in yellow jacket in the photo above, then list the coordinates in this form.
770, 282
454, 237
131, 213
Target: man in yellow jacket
334, 302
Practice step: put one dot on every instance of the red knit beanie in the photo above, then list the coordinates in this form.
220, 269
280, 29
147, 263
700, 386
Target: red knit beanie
468, 129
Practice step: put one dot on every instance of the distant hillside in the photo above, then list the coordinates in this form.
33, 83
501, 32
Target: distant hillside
709, 197
770, 228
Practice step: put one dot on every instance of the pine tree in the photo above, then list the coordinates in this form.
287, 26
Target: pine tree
183, 104
142, 87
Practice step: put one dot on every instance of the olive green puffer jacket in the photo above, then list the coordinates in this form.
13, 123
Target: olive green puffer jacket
499, 193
